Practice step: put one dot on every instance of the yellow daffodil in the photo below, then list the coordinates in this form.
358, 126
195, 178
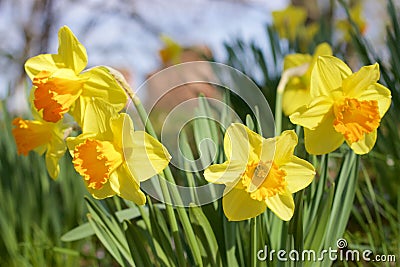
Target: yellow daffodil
288, 21
115, 165
259, 173
58, 80
297, 91
40, 136
357, 17
346, 106
171, 52
306, 35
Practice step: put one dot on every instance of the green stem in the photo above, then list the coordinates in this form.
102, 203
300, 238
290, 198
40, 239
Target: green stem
184, 218
253, 248
175, 195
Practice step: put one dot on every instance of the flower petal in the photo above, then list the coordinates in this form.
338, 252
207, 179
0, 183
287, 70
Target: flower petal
294, 98
147, 157
324, 138
42, 62
358, 82
282, 205
299, 174
104, 192
294, 60
55, 151
379, 93
93, 115
239, 206
327, 75
71, 51
284, 147
365, 145
226, 173
126, 186
311, 116
101, 84
242, 144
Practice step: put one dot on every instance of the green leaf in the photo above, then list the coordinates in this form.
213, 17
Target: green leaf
205, 234
80, 232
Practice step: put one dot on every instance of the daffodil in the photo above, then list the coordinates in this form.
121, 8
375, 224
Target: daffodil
259, 173
356, 16
41, 136
58, 80
171, 52
288, 21
297, 91
113, 159
346, 106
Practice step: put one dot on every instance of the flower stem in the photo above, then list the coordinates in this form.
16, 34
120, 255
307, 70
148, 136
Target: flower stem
166, 177
253, 248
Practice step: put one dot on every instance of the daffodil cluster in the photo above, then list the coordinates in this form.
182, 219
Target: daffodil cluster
111, 157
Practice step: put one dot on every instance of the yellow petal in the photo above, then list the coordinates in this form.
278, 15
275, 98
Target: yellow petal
104, 192
55, 151
239, 206
148, 156
311, 116
282, 205
94, 115
324, 138
284, 147
379, 93
327, 75
126, 186
323, 49
365, 145
72, 52
358, 82
294, 60
299, 174
294, 98
39, 63
242, 144
101, 84
226, 173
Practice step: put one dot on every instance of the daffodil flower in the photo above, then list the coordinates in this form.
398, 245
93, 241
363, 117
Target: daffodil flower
288, 21
114, 159
58, 80
171, 53
40, 136
259, 173
346, 106
356, 15
297, 91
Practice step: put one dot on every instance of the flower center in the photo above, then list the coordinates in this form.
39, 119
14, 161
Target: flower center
29, 135
55, 95
263, 180
355, 118
95, 161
